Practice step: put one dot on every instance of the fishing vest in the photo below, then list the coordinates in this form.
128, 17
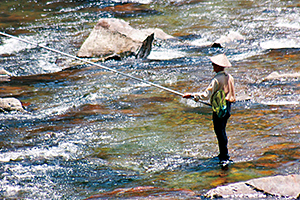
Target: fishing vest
218, 101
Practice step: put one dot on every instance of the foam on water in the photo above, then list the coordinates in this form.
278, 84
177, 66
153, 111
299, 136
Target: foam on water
280, 103
292, 21
201, 42
281, 43
66, 150
165, 54
25, 180
12, 45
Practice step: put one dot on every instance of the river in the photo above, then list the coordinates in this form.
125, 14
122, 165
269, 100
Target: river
89, 131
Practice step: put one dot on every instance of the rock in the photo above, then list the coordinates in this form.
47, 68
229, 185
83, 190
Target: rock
234, 190
116, 36
4, 75
282, 186
147, 192
3, 72
10, 104
278, 186
146, 47
103, 42
231, 37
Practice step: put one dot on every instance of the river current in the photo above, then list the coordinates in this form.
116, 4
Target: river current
87, 130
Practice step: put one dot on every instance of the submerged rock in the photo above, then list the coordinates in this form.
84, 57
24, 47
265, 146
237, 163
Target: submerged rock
115, 36
147, 192
10, 104
129, 10
277, 186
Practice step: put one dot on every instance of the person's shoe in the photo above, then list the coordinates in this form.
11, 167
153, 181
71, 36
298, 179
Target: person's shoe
225, 163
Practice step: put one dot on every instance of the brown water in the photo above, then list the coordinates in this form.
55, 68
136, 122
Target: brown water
89, 131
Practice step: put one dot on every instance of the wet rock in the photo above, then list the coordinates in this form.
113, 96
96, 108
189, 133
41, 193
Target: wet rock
146, 47
147, 192
116, 36
231, 37
10, 104
277, 186
4, 75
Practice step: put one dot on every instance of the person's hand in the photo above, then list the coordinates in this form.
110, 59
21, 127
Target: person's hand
187, 95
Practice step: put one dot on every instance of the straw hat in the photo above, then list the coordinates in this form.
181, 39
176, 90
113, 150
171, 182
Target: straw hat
221, 60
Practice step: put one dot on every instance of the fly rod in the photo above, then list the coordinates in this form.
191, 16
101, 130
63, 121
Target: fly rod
101, 66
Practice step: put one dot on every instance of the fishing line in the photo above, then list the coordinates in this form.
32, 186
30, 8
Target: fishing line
101, 66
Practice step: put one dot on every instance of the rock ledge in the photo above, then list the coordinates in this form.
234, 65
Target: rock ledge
276, 186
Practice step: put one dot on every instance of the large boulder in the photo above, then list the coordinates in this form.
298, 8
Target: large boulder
10, 104
277, 186
115, 36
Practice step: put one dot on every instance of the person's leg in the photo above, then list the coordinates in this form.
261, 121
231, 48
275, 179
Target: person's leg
220, 130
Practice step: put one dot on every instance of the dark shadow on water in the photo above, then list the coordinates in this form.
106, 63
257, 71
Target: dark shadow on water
192, 164
206, 164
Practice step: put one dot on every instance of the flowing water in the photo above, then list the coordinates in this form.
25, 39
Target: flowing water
89, 131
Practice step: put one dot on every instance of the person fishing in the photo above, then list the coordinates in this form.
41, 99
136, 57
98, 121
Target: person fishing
221, 94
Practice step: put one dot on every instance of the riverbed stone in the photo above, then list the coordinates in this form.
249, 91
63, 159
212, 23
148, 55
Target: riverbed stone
278, 186
10, 104
146, 192
116, 36
4, 75
227, 39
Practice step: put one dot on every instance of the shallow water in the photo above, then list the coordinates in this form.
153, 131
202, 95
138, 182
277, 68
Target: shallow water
89, 131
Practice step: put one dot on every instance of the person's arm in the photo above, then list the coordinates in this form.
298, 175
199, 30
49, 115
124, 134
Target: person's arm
206, 95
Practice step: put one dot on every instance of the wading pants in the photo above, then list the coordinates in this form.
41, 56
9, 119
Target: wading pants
219, 127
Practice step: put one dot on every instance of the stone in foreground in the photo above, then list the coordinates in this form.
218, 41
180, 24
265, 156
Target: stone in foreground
277, 186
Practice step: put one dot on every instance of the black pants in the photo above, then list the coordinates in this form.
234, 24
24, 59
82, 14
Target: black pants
219, 127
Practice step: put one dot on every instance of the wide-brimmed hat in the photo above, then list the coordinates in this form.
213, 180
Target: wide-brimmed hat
221, 60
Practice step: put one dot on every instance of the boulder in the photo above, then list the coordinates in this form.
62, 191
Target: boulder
10, 104
226, 39
276, 186
115, 36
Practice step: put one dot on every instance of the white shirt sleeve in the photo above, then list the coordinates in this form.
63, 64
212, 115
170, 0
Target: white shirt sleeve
209, 91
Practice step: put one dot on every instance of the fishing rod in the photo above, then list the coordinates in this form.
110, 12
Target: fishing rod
101, 66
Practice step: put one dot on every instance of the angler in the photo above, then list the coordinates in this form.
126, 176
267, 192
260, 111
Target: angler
221, 94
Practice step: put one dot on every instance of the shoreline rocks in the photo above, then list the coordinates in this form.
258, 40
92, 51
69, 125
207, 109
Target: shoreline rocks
276, 186
280, 186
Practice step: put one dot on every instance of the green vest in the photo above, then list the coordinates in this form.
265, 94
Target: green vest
218, 103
